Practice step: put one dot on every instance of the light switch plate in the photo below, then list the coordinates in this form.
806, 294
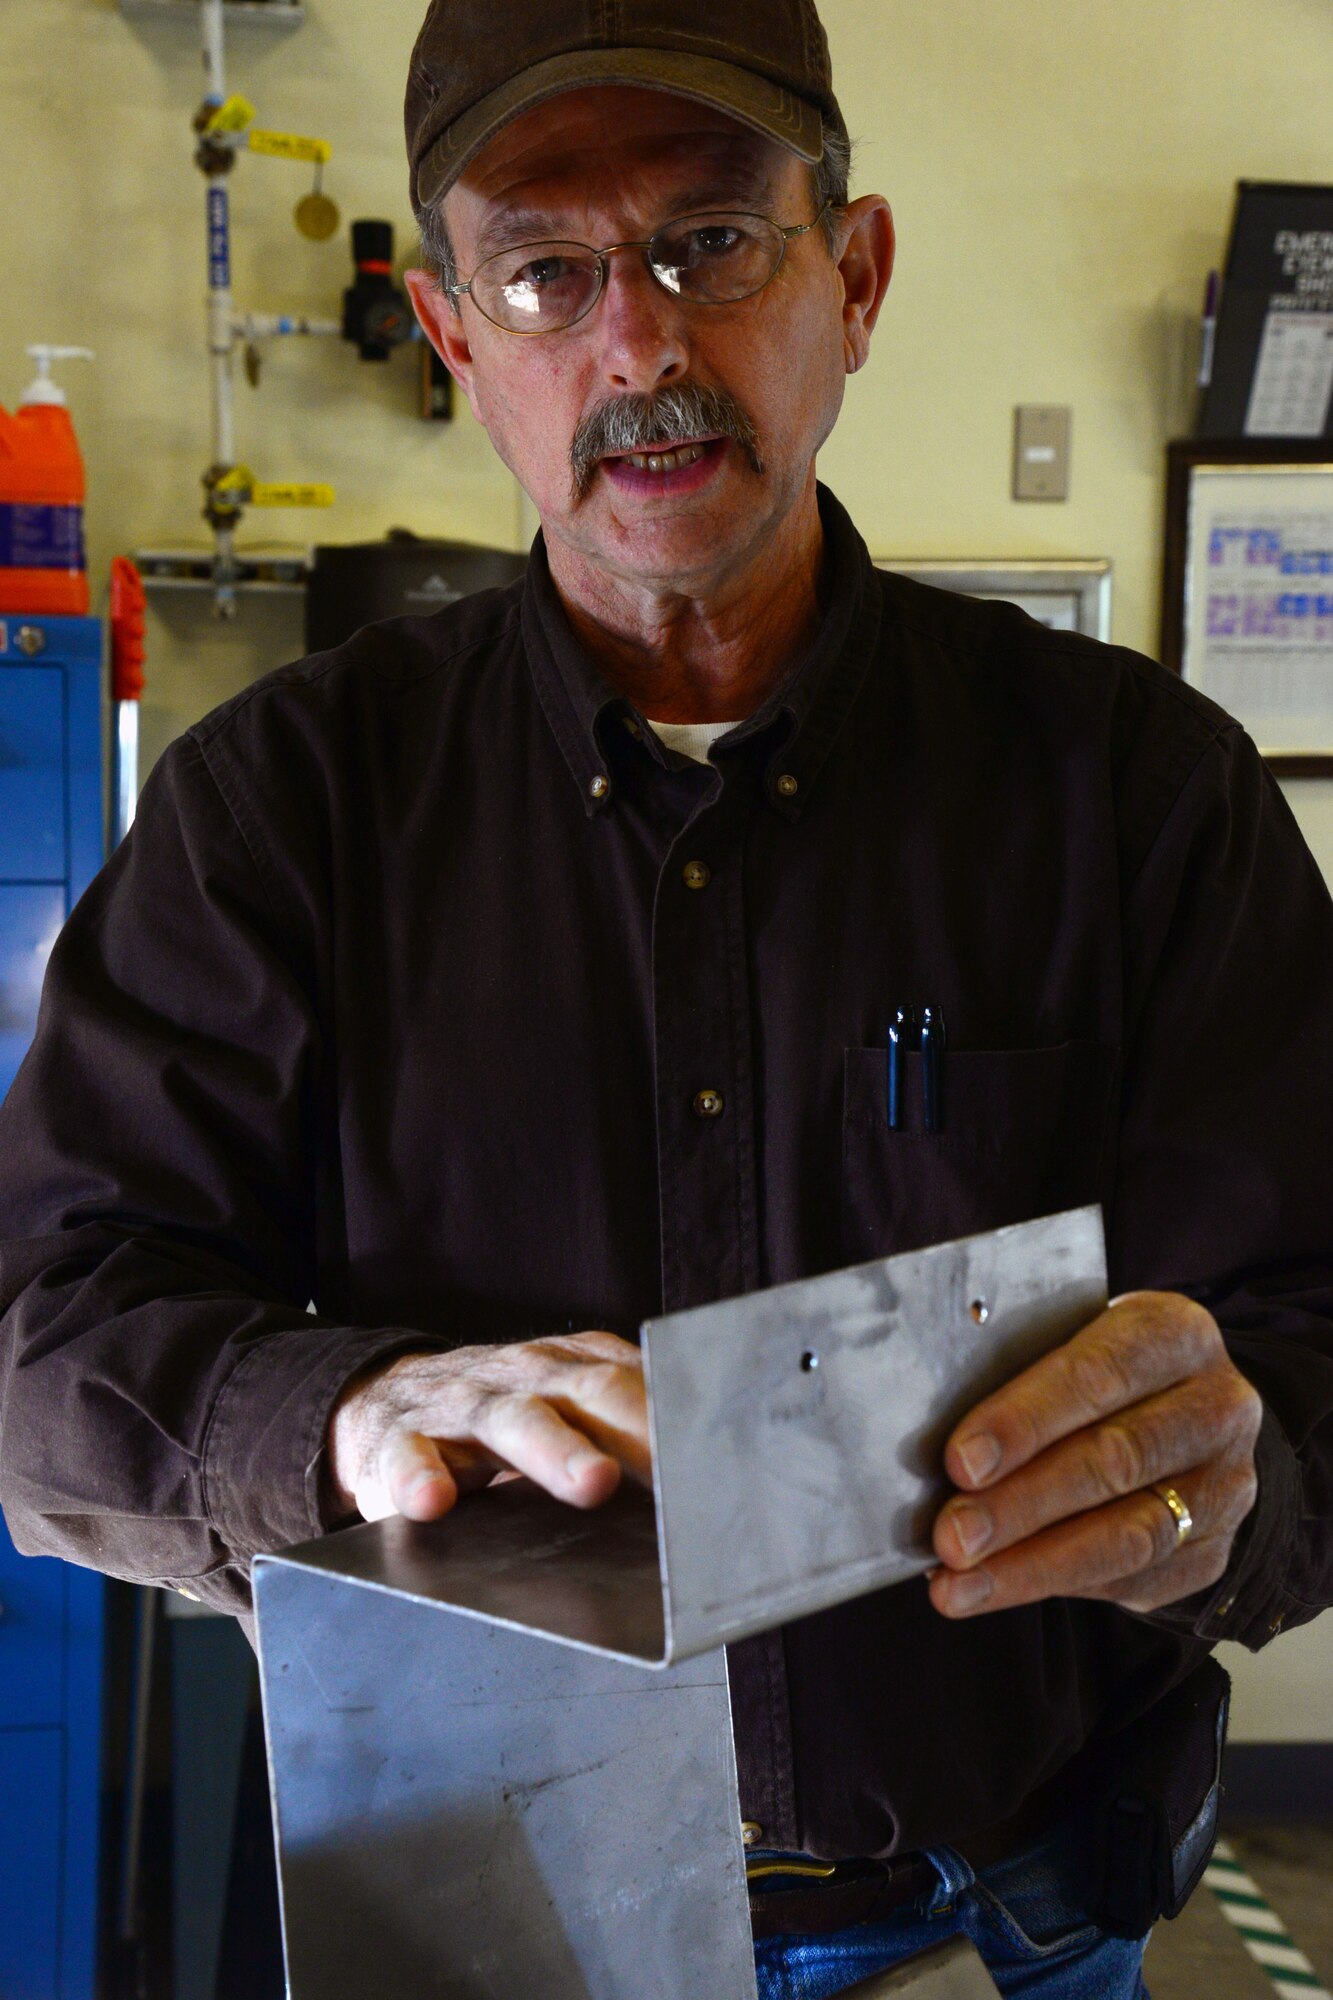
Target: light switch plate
1041, 451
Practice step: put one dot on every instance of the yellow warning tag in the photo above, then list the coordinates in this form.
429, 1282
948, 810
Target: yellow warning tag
288, 494
291, 146
238, 480
233, 116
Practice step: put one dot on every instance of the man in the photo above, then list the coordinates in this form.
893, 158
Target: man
437, 986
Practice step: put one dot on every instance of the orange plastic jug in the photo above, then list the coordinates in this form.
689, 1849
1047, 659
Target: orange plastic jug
43, 567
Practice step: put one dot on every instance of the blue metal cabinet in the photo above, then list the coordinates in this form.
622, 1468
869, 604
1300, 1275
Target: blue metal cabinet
52, 841
32, 1609
50, 1776
32, 760
30, 1771
31, 913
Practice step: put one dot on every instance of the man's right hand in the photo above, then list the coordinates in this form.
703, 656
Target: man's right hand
569, 1412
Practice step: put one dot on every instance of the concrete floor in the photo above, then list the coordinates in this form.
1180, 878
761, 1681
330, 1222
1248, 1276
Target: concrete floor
1200, 1956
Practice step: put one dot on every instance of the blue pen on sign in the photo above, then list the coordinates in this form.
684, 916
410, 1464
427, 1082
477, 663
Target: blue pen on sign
1208, 331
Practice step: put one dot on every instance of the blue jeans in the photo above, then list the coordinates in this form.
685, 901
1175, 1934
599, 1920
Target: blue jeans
1026, 1915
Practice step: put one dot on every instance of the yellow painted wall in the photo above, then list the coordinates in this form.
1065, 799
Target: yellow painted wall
101, 220
1061, 172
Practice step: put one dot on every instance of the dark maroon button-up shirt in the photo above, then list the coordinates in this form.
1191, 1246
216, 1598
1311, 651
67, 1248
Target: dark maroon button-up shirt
409, 996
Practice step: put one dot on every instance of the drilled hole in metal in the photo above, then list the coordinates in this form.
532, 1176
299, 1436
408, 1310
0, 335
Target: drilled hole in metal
980, 1311
809, 1360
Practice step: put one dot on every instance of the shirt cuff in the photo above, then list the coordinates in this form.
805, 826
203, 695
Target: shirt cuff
264, 1449
1246, 1603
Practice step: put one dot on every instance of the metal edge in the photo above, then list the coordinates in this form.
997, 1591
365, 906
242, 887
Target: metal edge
722, 1634
1089, 578
273, 13
669, 1654
270, 1778
277, 1560
1090, 1212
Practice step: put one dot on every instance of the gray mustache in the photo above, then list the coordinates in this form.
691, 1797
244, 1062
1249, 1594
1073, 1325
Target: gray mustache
668, 416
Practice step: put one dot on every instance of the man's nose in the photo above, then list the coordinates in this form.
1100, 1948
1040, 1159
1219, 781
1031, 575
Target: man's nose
640, 326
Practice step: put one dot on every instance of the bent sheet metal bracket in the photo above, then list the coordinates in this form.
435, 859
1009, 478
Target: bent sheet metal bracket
500, 1743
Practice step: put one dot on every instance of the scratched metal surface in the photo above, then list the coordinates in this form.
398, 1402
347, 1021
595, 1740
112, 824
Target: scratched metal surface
780, 1489
463, 1810
514, 1555
797, 1432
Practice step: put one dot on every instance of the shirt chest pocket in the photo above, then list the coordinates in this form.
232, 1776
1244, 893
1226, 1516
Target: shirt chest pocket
1025, 1132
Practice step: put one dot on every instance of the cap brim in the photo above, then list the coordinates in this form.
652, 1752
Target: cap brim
756, 101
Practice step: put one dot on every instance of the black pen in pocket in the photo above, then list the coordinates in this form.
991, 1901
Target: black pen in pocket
925, 1031
932, 1066
903, 1034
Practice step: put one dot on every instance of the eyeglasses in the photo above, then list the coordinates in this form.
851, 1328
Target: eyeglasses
708, 260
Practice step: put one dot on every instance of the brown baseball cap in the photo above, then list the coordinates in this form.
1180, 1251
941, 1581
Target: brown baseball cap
479, 63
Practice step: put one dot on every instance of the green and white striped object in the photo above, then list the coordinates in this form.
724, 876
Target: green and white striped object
1261, 1929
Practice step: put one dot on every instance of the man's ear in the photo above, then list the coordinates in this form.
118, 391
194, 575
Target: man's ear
442, 324
865, 265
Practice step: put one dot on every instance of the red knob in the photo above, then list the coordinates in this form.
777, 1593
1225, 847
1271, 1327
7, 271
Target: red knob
128, 608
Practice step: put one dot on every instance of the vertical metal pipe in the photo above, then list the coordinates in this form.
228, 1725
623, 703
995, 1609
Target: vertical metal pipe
215, 56
224, 573
126, 792
221, 340
136, 1776
221, 336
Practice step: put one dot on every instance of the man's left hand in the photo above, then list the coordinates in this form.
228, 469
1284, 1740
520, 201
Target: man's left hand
1056, 1471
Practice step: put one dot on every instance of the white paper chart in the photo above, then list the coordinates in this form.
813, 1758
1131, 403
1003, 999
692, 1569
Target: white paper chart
1260, 608
1293, 377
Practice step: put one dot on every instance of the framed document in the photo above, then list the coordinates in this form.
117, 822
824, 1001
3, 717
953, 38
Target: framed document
1247, 590
1070, 593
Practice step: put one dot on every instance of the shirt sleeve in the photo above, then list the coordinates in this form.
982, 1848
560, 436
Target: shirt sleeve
166, 1389
1224, 1187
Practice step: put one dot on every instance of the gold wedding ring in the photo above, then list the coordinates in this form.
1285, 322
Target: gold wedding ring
1180, 1513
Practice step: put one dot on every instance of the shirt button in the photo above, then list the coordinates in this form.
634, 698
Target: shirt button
788, 785
696, 875
708, 1104
751, 1832
600, 786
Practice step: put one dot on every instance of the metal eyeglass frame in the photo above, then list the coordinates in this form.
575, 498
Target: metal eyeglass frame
645, 244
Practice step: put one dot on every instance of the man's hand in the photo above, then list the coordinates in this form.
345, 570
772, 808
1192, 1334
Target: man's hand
569, 1411
1056, 1470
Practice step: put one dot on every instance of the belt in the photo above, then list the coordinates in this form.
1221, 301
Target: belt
867, 1891
854, 1892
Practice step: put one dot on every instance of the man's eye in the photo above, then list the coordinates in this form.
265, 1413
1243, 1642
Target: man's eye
717, 240
541, 272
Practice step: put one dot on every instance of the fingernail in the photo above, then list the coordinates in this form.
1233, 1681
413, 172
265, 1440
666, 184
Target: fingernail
968, 1593
421, 1482
580, 1462
980, 1455
973, 1527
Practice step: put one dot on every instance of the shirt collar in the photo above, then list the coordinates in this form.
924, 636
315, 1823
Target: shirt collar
812, 701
